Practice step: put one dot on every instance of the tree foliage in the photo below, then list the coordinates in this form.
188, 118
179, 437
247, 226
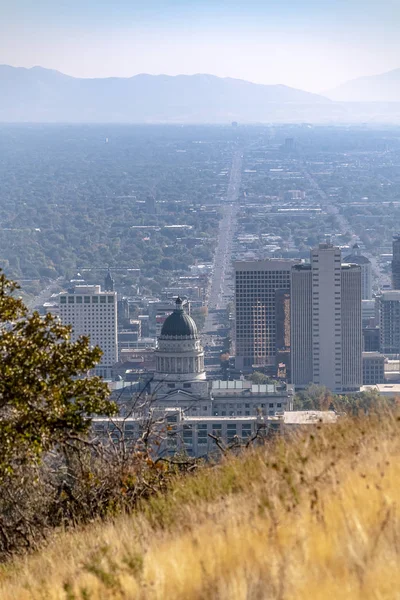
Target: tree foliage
260, 378
45, 396
319, 397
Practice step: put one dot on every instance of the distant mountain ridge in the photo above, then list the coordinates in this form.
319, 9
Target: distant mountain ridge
44, 95
40, 95
375, 88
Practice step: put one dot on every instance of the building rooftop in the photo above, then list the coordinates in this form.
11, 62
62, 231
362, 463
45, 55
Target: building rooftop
307, 417
389, 295
385, 389
179, 323
357, 259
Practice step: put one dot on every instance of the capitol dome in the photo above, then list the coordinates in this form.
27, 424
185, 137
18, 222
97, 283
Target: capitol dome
179, 324
179, 356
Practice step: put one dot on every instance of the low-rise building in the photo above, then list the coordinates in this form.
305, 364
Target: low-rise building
173, 431
373, 368
243, 398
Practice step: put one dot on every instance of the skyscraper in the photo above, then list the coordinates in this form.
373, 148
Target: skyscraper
389, 322
357, 258
108, 282
282, 316
256, 284
94, 313
396, 263
326, 333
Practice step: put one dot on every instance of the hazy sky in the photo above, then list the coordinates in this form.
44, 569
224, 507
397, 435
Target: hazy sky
310, 44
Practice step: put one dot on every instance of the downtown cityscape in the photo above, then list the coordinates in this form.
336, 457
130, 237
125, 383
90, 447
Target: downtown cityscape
228, 271
199, 300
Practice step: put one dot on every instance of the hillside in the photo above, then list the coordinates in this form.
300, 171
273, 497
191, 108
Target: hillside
312, 517
376, 88
42, 95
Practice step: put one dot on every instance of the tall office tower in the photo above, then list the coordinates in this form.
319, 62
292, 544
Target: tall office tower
282, 316
256, 283
301, 318
108, 282
357, 258
326, 332
94, 313
396, 263
389, 322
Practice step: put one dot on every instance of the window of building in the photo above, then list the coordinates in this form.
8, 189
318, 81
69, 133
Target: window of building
103, 299
71, 300
63, 299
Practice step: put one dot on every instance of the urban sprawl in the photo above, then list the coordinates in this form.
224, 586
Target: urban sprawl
223, 271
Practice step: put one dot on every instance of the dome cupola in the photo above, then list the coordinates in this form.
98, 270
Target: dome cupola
179, 324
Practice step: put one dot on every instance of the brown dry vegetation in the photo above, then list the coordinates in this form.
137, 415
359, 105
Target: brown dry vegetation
314, 516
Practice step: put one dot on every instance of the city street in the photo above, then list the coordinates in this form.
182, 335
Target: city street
220, 293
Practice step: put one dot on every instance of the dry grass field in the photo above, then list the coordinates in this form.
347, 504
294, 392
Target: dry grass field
315, 516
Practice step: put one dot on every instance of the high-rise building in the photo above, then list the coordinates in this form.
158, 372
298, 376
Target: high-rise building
371, 339
326, 332
256, 284
389, 322
301, 319
396, 263
93, 312
109, 282
289, 144
282, 315
368, 312
357, 258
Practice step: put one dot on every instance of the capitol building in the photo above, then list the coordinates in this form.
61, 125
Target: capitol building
180, 379
196, 412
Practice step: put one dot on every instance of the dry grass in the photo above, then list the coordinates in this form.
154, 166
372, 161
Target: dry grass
314, 517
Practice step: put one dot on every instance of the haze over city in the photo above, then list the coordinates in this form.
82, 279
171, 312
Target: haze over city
306, 44
199, 299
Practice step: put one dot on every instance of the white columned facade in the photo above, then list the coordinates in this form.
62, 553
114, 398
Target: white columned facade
179, 357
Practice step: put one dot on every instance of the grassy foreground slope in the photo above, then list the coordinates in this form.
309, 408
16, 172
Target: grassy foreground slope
315, 516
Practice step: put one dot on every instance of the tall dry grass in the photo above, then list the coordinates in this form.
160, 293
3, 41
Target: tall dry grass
310, 517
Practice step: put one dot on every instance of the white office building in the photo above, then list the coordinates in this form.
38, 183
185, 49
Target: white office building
326, 330
93, 312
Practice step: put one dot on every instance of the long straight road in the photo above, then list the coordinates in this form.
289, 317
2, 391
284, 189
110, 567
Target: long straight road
222, 272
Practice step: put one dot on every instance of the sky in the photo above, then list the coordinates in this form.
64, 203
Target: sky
310, 44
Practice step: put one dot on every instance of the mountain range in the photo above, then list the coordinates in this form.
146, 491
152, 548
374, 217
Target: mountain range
44, 95
375, 88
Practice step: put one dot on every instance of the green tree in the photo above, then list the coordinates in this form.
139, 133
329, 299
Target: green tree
313, 397
45, 396
258, 378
